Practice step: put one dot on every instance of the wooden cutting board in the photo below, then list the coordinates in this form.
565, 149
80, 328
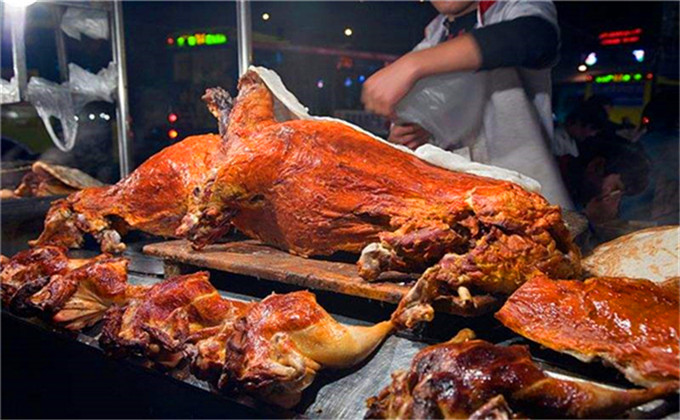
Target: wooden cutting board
252, 258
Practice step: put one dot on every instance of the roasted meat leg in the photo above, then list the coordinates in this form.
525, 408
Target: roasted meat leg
473, 378
277, 348
153, 198
317, 186
631, 324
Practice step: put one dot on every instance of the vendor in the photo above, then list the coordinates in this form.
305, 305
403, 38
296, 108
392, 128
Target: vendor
484, 69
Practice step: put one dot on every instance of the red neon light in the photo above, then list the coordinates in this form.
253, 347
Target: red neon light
619, 34
172, 117
614, 41
170, 41
649, 76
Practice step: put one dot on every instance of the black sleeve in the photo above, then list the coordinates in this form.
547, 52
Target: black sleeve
528, 41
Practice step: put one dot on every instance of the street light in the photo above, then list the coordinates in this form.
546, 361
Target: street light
265, 16
348, 32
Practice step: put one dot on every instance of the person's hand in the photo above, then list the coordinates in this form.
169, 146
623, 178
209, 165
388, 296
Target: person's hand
384, 89
409, 135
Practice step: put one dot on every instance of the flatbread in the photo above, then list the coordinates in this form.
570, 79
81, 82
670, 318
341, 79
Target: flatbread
71, 177
652, 254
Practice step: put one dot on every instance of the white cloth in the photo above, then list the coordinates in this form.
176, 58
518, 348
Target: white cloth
503, 116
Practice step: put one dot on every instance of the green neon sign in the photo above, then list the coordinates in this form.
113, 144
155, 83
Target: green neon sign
198, 39
618, 78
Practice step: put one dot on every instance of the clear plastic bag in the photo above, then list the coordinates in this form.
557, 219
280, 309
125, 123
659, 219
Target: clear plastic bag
91, 22
64, 101
449, 106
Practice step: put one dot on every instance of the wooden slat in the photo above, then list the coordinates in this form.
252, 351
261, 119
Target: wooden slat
251, 258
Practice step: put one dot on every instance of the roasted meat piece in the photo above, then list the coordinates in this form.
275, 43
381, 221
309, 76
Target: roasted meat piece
172, 313
28, 271
318, 186
46, 179
473, 378
279, 345
631, 324
152, 199
79, 298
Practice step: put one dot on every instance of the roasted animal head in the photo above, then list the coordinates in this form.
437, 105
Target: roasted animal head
473, 378
169, 315
276, 349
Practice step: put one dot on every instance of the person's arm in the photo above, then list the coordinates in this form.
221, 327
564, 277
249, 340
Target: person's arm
525, 41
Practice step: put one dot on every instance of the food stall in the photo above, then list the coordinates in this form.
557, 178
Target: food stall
287, 276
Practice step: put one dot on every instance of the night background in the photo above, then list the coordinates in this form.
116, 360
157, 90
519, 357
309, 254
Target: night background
305, 43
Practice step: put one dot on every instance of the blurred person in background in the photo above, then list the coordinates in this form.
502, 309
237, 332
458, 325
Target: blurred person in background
511, 46
659, 201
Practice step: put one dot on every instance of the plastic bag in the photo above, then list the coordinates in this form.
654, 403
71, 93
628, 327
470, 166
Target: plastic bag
9, 91
53, 100
64, 101
449, 106
91, 22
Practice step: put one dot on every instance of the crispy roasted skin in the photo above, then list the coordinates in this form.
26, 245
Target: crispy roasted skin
172, 313
152, 199
276, 349
80, 298
28, 271
316, 187
473, 378
631, 324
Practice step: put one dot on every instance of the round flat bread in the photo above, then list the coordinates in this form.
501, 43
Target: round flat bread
652, 254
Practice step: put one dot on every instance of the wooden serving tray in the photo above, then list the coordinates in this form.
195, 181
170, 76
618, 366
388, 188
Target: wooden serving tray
252, 258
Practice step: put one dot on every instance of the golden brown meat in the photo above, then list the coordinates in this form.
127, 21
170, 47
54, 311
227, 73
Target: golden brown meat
169, 315
473, 378
28, 271
315, 187
276, 349
79, 298
152, 199
631, 324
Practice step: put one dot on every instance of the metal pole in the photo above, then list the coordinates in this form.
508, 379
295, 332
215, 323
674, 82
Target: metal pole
243, 29
18, 22
122, 111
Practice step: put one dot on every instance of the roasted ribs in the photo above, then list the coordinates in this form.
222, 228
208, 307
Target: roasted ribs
316, 187
630, 324
151, 199
468, 378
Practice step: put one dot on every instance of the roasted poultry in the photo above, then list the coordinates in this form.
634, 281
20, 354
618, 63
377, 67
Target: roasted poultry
468, 378
316, 186
152, 199
74, 293
631, 324
171, 314
276, 349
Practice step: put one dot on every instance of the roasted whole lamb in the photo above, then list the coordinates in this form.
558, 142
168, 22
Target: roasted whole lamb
318, 186
631, 324
151, 199
468, 378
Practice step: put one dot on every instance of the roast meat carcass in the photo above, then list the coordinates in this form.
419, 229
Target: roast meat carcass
152, 199
468, 378
318, 186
